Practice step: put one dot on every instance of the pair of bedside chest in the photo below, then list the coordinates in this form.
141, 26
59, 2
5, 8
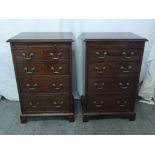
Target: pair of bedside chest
43, 68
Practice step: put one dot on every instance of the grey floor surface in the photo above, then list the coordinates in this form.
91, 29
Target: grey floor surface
10, 123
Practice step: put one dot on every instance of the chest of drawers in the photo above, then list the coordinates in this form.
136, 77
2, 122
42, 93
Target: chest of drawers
112, 69
43, 68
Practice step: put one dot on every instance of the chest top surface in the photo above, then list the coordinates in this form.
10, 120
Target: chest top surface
42, 37
111, 36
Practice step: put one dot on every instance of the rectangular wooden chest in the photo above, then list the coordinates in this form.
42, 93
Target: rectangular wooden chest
112, 69
43, 67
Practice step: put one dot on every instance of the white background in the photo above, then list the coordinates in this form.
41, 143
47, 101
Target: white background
9, 28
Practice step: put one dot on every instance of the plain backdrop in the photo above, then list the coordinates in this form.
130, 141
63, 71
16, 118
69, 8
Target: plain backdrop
9, 28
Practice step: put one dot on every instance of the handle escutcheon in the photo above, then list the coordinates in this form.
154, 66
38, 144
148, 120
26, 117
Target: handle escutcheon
55, 55
34, 105
121, 103
33, 87
98, 104
29, 72
102, 54
128, 55
58, 104
57, 86
124, 85
100, 70
56, 71
28, 57
126, 69
98, 86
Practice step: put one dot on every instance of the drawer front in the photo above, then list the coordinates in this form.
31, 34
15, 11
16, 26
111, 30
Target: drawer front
113, 68
57, 52
46, 103
102, 54
111, 84
114, 44
45, 85
27, 69
109, 103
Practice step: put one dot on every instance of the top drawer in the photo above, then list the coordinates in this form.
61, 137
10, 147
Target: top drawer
114, 50
42, 52
102, 54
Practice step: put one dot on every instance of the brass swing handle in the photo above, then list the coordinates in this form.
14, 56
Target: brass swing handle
128, 56
126, 69
100, 70
34, 105
101, 55
56, 71
57, 87
58, 104
123, 85
29, 72
29, 57
98, 104
121, 103
55, 55
99, 88
31, 87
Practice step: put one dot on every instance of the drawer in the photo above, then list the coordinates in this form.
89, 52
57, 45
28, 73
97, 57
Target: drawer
102, 54
109, 102
28, 69
114, 44
44, 84
102, 85
113, 68
57, 52
45, 103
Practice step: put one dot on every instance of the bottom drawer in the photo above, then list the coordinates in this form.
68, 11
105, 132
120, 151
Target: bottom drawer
46, 103
109, 102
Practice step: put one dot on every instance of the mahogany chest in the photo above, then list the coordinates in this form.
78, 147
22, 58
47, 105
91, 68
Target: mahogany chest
43, 68
112, 69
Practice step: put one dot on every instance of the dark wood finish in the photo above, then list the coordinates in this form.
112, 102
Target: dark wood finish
70, 118
43, 68
40, 37
23, 119
107, 68
112, 69
46, 103
44, 84
101, 85
100, 54
47, 52
109, 102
